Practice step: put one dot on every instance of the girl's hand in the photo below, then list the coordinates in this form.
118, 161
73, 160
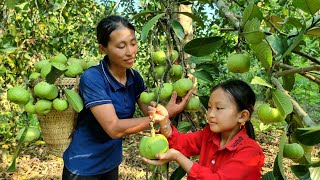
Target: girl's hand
170, 155
158, 113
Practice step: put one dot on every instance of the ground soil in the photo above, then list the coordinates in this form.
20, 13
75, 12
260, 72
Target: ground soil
36, 163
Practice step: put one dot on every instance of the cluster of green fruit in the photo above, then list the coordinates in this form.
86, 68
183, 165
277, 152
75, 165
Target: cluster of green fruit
268, 114
159, 58
238, 62
181, 86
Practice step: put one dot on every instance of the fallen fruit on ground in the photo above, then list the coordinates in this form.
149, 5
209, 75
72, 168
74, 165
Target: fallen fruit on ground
18, 95
32, 134
293, 151
150, 146
238, 63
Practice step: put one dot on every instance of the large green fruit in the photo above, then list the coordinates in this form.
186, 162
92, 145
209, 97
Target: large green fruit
32, 134
91, 63
267, 114
182, 86
43, 106
150, 146
159, 71
38, 65
165, 92
45, 90
193, 104
176, 71
60, 104
30, 107
34, 75
82, 62
159, 57
73, 70
146, 97
293, 151
18, 95
60, 58
238, 63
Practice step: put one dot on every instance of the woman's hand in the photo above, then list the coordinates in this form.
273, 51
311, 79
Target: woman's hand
170, 155
177, 104
159, 113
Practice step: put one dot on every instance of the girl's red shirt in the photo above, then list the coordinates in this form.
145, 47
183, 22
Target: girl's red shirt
242, 158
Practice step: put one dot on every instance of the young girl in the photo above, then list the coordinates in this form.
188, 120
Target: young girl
226, 145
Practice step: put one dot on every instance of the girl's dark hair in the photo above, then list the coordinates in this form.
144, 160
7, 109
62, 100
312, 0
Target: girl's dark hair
107, 25
244, 97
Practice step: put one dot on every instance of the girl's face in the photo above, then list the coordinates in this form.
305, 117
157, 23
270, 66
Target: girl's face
122, 48
223, 115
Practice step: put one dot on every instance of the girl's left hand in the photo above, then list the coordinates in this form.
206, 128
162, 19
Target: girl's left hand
170, 155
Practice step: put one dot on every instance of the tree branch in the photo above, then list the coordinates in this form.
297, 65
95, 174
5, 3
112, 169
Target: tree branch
296, 107
313, 59
297, 70
229, 15
304, 74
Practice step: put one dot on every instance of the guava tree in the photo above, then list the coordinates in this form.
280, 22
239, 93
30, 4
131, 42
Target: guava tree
281, 39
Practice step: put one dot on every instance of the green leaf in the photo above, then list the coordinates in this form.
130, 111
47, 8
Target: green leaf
10, 4
193, 17
252, 32
282, 102
308, 6
301, 171
200, 60
315, 31
203, 46
258, 80
309, 136
143, 13
54, 73
178, 174
263, 53
149, 25
9, 50
204, 75
251, 11
276, 43
314, 172
183, 126
268, 176
74, 99
178, 29
204, 100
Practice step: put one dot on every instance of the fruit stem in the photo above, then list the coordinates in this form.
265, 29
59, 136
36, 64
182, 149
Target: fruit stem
152, 130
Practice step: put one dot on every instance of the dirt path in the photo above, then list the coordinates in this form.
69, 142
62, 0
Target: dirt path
36, 163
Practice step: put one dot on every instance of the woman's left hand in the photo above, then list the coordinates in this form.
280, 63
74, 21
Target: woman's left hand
176, 104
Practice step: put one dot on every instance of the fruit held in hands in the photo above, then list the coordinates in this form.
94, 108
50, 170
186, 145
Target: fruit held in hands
146, 97
182, 86
267, 114
238, 63
159, 57
150, 146
293, 151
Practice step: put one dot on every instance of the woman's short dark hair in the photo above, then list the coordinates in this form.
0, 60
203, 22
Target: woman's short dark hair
108, 24
244, 97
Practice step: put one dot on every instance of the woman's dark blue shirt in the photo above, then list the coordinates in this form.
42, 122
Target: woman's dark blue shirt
91, 150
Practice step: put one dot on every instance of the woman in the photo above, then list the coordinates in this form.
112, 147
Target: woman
110, 91
226, 146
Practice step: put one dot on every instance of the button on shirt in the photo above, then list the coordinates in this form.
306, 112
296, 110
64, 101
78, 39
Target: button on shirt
241, 158
92, 151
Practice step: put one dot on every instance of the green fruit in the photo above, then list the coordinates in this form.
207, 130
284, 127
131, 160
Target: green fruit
18, 95
60, 104
34, 75
159, 57
30, 107
60, 58
176, 71
238, 63
182, 86
193, 104
45, 70
43, 106
82, 62
73, 70
165, 92
175, 55
91, 63
45, 90
146, 97
38, 66
32, 134
293, 151
159, 71
59, 66
268, 114
150, 146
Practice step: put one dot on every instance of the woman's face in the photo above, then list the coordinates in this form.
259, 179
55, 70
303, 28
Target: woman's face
222, 115
122, 48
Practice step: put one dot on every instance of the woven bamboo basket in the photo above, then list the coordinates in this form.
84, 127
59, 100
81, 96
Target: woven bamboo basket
57, 126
